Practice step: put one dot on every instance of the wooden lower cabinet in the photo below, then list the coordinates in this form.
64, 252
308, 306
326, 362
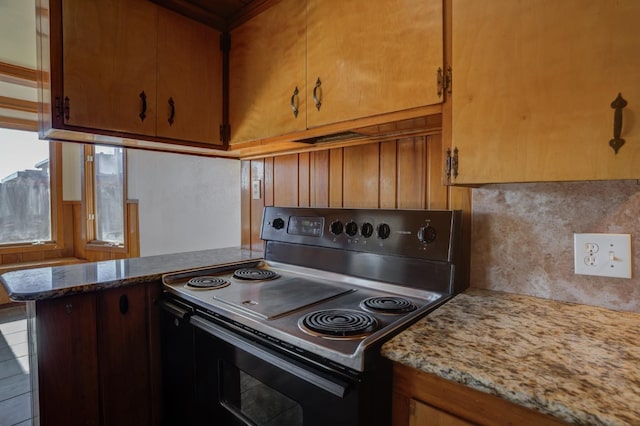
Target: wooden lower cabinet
66, 379
424, 414
95, 358
422, 399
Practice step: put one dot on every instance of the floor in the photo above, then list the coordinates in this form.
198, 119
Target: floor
15, 387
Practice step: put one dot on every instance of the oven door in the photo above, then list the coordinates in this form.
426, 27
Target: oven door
257, 385
178, 374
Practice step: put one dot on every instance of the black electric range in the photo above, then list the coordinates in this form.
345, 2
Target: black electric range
333, 286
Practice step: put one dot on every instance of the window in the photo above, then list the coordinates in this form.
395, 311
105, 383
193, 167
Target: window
105, 195
27, 197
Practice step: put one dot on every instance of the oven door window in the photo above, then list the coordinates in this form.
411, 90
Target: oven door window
254, 402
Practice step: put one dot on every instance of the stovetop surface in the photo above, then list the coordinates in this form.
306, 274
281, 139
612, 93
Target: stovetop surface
334, 259
275, 307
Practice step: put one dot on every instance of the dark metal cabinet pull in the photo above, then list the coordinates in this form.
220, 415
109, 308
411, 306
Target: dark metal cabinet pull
143, 111
618, 104
172, 105
316, 98
124, 304
294, 104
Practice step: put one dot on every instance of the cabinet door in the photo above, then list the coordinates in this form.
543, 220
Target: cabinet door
533, 84
421, 414
123, 348
372, 57
67, 361
267, 64
189, 75
109, 60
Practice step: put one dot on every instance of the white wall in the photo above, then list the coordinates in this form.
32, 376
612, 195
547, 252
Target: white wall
186, 202
71, 175
17, 32
18, 47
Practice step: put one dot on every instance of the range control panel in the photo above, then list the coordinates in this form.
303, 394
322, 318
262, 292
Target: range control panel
427, 234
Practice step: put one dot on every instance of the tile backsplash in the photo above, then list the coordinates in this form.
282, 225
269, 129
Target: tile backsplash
522, 239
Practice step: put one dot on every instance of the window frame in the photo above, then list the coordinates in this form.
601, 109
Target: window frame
55, 195
22, 76
89, 206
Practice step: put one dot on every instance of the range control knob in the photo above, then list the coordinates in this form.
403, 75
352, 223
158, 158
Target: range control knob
384, 231
336, 227
351, 229
427, 234
278, 223
366, 230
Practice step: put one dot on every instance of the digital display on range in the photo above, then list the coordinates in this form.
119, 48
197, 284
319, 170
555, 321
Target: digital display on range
307, 226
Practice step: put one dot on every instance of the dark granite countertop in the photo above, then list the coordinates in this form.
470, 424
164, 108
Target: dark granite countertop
575, 362
57, 281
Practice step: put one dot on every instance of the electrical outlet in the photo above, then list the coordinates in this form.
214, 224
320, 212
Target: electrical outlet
606, 255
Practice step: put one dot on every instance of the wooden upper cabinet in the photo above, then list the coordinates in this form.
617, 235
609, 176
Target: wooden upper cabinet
533, 84
190, 78
267, 65
109, 60
371, 57
108, 69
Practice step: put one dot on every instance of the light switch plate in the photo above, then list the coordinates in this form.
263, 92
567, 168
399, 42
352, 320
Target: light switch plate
256, 187
606, 255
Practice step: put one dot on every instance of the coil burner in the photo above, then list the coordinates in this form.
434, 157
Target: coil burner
338, 323
207, 283
255, 274
388, 305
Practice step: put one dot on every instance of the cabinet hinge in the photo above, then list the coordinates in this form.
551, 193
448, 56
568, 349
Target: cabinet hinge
225, 133
225, 42
89, 158
62, 108
66, 108
444, 81
451, 166
58, 107
448, 80
91, 216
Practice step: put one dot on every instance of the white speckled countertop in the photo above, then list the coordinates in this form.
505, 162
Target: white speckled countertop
575, 362
57, 281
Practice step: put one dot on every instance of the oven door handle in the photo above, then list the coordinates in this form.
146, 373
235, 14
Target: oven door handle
335, 387
174, 309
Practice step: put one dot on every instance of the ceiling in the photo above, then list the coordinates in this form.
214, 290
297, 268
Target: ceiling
223, 15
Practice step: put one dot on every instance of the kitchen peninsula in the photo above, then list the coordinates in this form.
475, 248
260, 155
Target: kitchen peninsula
47, 283
94, 335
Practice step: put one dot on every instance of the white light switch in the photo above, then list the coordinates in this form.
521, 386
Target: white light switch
256, 189
606, 255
